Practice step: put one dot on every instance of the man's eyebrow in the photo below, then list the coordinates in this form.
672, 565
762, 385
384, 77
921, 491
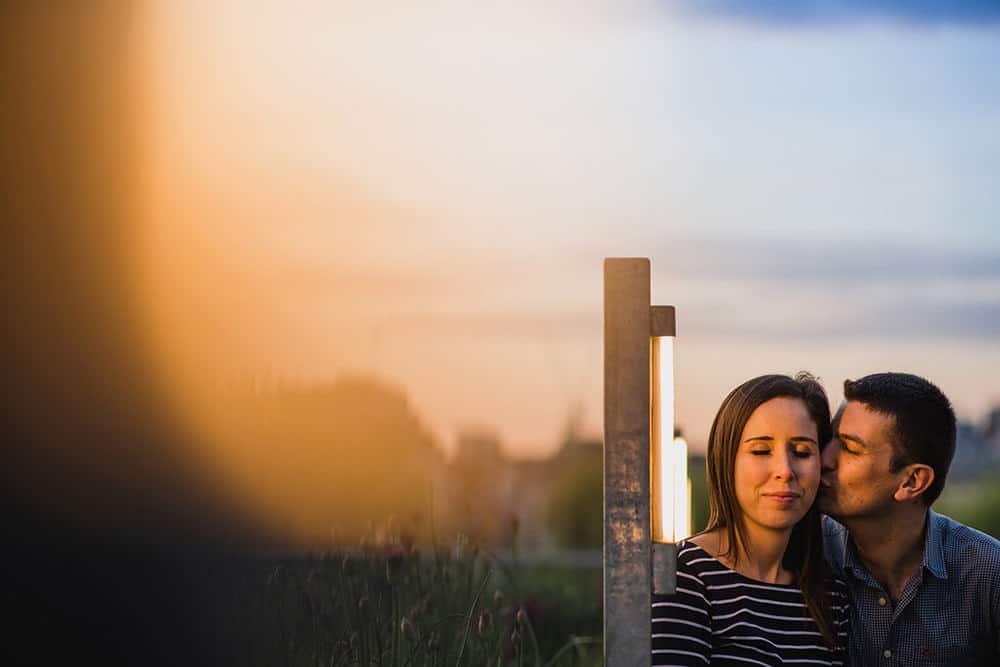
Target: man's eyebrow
852, 438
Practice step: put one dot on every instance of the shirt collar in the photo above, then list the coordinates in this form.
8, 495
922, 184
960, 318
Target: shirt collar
852, 562
934, 545
933, 549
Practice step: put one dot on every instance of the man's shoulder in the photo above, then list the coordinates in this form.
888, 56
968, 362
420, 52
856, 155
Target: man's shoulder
965, 546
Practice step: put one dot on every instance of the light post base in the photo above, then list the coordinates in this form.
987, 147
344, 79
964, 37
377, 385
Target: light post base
664, 568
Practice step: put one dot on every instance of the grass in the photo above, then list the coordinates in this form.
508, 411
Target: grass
393, 604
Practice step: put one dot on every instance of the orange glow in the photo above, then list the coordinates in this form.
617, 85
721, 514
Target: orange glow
232, 252
333, 193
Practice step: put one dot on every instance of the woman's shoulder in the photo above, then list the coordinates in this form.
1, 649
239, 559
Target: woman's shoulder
694, 567
695, 559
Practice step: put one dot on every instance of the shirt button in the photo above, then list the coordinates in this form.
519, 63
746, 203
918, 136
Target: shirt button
887, 653
882, 602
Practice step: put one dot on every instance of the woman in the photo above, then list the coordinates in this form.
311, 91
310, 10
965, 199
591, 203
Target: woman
754, 588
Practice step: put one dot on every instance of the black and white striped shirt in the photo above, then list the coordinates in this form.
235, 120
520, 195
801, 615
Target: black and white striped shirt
720, 617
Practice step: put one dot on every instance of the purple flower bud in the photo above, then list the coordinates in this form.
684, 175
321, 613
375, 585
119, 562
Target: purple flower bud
485, 626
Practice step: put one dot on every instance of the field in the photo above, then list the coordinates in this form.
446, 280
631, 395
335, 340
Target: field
394, 604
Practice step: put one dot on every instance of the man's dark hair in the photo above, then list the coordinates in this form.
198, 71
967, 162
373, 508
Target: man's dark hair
924, 421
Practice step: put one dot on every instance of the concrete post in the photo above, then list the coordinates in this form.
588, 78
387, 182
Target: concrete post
627, 553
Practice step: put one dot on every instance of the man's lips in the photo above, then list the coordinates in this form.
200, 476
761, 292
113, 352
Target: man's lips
824, 483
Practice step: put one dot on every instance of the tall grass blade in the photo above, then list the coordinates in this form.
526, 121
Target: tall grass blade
472, 613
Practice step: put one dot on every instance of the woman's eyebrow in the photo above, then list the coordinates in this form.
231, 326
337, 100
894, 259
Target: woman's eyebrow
763, 438
803, 438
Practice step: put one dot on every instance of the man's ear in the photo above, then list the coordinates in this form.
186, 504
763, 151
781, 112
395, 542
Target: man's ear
917, 478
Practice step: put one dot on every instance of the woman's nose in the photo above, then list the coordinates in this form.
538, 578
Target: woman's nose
783, 466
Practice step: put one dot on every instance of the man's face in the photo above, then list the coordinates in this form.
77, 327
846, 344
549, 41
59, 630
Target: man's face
857, 481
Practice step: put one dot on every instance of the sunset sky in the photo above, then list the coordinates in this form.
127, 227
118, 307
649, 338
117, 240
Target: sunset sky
426, 192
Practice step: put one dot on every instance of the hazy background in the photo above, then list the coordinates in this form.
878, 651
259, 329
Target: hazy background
427, 192
258, 250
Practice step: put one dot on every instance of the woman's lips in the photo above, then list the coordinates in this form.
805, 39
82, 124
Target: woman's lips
783, 498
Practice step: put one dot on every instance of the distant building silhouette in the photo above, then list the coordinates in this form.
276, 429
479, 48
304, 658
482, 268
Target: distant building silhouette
977, 448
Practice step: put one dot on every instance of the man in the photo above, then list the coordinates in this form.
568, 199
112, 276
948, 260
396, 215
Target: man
925, 590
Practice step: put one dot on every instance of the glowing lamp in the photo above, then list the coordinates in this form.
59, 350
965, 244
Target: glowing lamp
669, 504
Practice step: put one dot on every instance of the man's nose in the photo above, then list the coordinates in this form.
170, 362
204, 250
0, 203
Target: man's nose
829, 457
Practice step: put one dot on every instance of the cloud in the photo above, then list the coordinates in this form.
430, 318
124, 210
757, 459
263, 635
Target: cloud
807, 13
837, 262
795, 288
748, 286
835, 317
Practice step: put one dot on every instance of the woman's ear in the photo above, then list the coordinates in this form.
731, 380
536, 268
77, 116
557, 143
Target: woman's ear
917, 478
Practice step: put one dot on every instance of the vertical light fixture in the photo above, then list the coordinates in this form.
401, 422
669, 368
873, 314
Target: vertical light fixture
662, 448
668, 455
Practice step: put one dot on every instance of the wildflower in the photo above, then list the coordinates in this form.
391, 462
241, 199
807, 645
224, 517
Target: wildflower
531, 609
406, 628
485, 626
420, 607
498, 598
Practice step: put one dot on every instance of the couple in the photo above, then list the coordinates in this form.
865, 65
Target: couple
880, 580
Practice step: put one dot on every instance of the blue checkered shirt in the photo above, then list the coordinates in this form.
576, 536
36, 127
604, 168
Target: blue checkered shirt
949, 611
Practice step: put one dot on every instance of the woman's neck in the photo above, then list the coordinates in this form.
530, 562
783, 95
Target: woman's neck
759, 558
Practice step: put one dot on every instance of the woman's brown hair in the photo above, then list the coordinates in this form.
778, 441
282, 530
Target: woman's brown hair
804, 555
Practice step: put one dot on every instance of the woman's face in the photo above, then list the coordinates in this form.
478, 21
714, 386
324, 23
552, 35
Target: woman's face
777, 465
